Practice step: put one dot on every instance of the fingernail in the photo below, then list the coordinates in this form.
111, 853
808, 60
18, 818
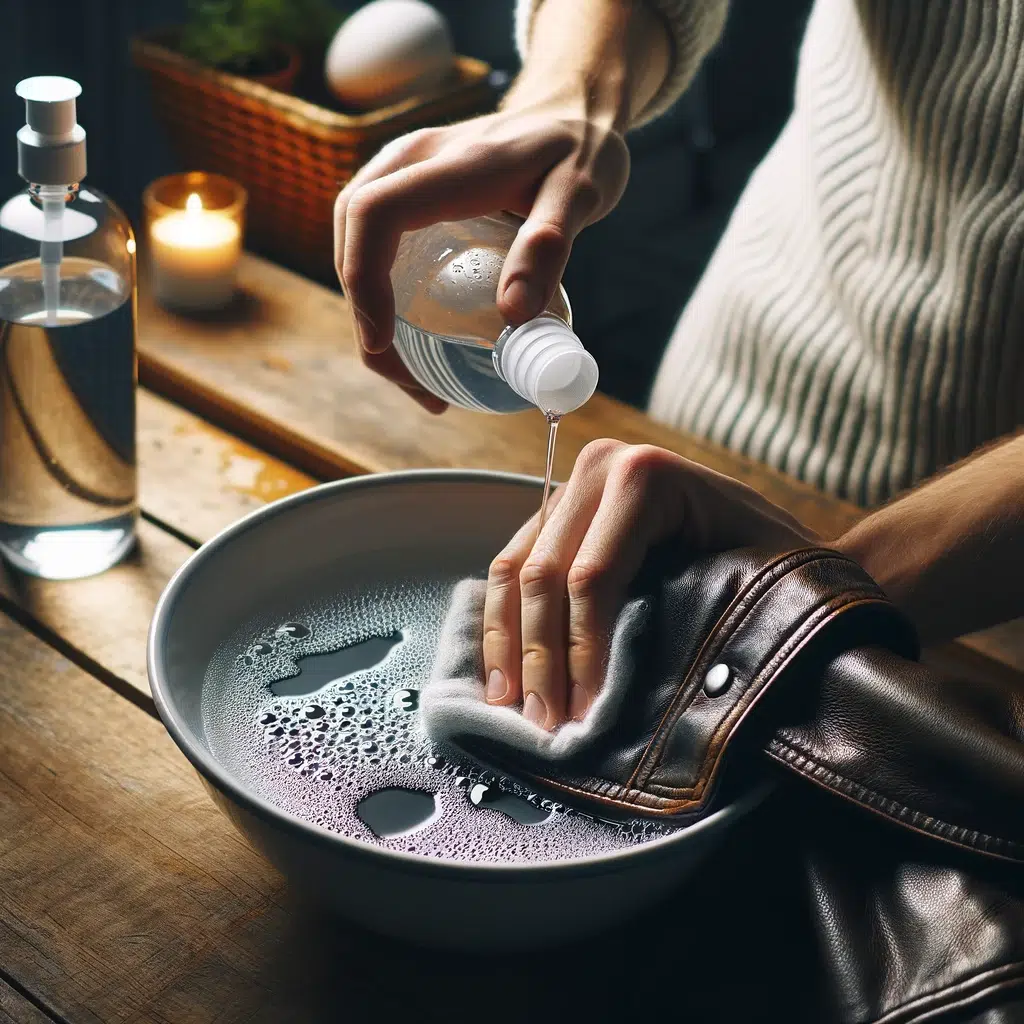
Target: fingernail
523, 296
534, 710
578, 702
497, 687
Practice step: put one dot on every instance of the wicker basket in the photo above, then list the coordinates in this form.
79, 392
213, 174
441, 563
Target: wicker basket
292, 155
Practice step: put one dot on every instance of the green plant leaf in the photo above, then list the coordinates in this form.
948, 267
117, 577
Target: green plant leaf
235, 33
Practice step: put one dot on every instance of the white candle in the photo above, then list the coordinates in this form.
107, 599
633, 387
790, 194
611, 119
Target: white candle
194, 257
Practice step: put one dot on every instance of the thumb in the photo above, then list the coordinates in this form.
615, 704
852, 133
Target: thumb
537, 259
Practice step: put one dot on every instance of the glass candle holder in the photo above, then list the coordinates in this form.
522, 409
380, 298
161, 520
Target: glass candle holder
194, 224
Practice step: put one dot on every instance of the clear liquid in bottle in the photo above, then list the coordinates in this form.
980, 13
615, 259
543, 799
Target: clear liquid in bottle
67, 353
447, 323
67, 419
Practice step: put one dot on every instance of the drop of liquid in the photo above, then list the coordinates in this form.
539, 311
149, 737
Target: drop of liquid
261, 650
313, 711
267, 718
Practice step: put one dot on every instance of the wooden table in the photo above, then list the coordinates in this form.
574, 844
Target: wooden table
124, 895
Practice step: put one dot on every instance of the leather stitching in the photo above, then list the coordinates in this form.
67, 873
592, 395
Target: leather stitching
958, 995
622, 797
806, 627
958, 835
813, 623
723, 634
716, 640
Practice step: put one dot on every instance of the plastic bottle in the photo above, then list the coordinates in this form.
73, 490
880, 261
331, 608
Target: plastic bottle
454, 341
67, 354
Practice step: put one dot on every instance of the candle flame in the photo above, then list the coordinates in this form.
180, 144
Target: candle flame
193, 204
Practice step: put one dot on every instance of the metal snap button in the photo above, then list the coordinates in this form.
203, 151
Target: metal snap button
717, 680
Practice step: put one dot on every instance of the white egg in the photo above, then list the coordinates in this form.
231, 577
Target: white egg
388, 51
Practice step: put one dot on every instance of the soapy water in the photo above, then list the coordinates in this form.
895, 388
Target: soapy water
344, 748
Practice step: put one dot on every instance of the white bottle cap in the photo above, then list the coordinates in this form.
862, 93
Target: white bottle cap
545, 363
51, 146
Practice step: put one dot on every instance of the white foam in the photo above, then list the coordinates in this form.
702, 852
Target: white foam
317, 756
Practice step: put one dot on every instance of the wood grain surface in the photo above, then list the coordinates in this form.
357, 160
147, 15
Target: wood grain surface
16, 1009
125, 895
196, 478
105, 618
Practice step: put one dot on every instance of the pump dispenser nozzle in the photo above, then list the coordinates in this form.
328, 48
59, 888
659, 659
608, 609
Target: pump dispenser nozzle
51, 146
51, 155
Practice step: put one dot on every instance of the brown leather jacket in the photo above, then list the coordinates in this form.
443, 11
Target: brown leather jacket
885, 880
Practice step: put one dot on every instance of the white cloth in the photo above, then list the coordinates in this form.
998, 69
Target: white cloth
453, 704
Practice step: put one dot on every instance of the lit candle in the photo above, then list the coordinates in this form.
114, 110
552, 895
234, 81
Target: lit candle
194, 254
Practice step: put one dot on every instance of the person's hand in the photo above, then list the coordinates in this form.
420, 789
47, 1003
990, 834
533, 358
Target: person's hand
538, 161
552, 600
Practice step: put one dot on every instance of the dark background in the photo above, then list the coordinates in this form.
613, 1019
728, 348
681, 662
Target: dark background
629, 276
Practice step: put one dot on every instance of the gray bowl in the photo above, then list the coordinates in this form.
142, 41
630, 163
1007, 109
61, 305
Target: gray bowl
439, 524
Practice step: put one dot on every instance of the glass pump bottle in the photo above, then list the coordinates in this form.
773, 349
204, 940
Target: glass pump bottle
68, 503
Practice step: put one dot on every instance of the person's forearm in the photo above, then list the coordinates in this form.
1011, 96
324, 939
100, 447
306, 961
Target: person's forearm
601, 60
951, 553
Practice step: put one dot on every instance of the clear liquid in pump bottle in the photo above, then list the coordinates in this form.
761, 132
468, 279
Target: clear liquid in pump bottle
454, 341
67, 354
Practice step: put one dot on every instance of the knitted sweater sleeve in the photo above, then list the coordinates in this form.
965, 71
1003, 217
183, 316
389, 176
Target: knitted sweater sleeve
694, 26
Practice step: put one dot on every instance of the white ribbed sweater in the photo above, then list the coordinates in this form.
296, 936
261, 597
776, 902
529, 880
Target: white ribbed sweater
861, 323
